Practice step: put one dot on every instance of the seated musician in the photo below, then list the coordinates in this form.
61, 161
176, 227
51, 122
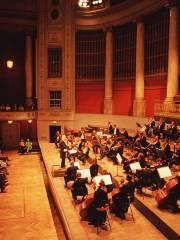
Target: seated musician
160, 129
79, 187
22, 146
3, 157
97, 210
174, 196
176, 157
28, 145
70, 173
166, 152
171, 132
155, 146
150, 127
83, 154
94, 168
95, 144
122, 199
147, 177
139, 158
116, 131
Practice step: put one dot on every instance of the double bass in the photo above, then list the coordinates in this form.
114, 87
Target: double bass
84, 205
163, 194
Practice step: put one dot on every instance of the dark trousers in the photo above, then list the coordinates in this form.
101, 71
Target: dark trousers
63, 157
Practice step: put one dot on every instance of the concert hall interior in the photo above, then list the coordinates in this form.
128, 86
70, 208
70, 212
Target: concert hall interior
89, 119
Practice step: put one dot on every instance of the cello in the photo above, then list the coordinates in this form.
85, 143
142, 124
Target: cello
163, 194
84, 205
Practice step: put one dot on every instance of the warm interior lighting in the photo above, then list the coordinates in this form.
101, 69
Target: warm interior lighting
54, 122
29, 121
9, 63
90, 3
10, 122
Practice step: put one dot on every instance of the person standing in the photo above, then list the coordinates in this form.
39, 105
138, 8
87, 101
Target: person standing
63, 150
110, 128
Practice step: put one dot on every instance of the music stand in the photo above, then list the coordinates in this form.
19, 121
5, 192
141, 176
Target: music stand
85, 173
135, 166
106, 178
72, 151
119, 161
138, 125
76, 164
164, 172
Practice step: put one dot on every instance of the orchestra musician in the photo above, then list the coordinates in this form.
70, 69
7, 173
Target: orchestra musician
84, 149
171, 132
121, 200
70, 173
63, 150
57, 139
150, 127
174, 196
94, 168
97, 210
176, 156
116, 131
110, 128
168, 196
79, 187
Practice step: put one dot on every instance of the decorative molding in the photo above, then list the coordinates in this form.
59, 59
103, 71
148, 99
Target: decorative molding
16, 116
118, 15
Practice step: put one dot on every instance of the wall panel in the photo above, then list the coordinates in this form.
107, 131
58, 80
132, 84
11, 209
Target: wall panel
89, 97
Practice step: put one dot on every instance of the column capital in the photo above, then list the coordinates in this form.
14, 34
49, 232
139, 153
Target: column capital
170, 3
138, 19
107, 29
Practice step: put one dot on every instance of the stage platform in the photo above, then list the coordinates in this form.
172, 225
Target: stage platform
75, 228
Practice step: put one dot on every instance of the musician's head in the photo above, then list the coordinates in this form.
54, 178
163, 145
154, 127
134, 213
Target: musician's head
94, 161
78, 175
104, 171
129, 178
141, 155
101, 183
64, 137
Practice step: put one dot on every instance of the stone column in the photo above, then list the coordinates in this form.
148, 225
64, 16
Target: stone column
139, 103
172, 81
28, 70
108, 74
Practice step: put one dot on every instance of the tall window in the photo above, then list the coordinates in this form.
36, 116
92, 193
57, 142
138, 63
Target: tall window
54, 62
124, 52
156, 43
90, 55
55, 99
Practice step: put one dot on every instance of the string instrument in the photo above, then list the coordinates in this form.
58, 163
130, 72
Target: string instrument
85, 205
162, 195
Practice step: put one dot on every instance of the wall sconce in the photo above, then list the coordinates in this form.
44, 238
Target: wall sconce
29, 121
54, 122
9, 63
10, 122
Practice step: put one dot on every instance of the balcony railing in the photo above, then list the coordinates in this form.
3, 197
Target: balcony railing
167, 109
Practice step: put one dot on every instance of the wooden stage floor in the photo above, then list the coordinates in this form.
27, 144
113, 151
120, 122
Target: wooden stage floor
77, 229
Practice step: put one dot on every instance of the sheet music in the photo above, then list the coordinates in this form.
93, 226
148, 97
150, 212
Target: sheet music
72, 151
164, 172
119, 158
135, 166
85, 173
76, 164
106, 178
